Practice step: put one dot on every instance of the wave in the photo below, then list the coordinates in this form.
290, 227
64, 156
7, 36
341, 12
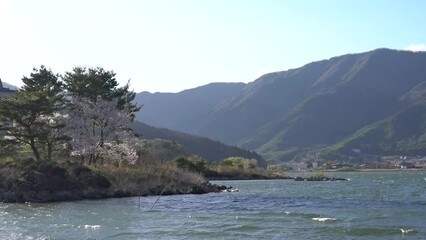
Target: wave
305, 215
313, 216
324, 219
92, 227
406, 231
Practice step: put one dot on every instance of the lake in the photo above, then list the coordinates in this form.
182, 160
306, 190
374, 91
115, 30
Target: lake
372, 205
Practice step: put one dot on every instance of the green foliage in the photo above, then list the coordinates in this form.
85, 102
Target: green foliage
91, 83
401, 133
96, 82
238, 162
192, 164
346, 169
273, 167
6, 149
320, 173
4, 161
30, 111
34, 115
280, 155
158, 151
44, 83
183, 144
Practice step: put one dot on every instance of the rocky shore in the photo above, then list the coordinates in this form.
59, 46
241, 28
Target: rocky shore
22, 196
31, 181
319, 178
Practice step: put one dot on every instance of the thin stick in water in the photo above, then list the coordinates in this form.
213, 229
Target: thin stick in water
158, 198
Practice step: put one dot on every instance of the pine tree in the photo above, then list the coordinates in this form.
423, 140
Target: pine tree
31, 113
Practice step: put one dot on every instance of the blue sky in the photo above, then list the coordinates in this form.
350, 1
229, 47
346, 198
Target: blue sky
169, 46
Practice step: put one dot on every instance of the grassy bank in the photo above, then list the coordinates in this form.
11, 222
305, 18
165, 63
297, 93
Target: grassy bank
40, 181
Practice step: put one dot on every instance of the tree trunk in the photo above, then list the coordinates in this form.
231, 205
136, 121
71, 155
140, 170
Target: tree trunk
34, 149
49, 151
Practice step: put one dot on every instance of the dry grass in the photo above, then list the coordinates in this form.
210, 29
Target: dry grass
151, 179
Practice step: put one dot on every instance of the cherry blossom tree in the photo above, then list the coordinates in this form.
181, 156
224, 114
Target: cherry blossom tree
99, 131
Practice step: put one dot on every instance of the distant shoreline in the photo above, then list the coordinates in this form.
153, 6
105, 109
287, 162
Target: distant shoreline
363, 170
392, 170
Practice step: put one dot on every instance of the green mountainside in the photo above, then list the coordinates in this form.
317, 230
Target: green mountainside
403, 133
369, 101
212, 151
186, 110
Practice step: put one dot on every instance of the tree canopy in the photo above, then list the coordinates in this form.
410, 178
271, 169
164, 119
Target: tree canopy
96, 82
28, 111
87, 107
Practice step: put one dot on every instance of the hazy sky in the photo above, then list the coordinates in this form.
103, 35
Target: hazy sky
169, 46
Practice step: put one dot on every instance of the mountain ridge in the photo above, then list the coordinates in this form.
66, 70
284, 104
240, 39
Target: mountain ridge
312, 107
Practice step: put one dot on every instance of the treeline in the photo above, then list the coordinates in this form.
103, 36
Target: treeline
229, 168
82, 114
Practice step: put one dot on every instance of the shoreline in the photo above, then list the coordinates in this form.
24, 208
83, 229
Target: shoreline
362, 170
42, 182
31, 196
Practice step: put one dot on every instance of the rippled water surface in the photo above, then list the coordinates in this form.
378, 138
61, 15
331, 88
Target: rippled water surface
383, 205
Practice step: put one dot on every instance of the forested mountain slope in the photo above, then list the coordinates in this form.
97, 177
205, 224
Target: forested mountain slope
212, 151
318, 105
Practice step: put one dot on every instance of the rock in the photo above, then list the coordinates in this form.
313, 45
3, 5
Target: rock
299, 179
318, 179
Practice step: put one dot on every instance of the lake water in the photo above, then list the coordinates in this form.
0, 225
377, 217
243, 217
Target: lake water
383, 205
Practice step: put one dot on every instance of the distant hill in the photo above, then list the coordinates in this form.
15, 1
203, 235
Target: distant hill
7, 85
369, 101
5, 90
187, 110
203, 147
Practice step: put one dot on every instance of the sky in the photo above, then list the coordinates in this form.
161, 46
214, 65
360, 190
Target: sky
172, 45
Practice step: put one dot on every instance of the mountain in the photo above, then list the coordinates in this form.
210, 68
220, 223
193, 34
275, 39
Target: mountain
184, 111
7, 85
328, 104
5, 89
402, 133
205, 148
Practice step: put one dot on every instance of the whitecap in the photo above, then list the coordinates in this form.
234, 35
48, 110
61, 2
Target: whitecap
324, 219
92, 227
406, 230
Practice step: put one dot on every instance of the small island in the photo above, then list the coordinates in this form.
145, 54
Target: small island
70, 137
